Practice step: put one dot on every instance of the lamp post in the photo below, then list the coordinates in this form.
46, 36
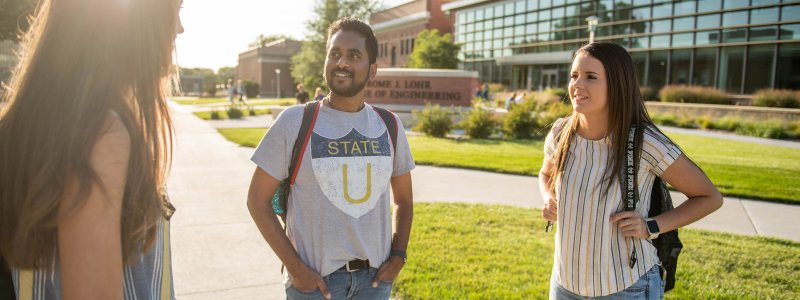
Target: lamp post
592, 20
278, 75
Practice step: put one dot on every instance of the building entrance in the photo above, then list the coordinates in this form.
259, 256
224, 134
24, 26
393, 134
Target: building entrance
549, 78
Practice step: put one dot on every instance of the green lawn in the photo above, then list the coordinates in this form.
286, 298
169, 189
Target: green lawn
248, 137
200, 101
737, 168
223, 114
461, 251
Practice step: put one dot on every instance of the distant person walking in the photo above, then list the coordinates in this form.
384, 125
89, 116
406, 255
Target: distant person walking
302, 95
510, 101
242, 89
318, 95
84, 212
231, 90
603, 248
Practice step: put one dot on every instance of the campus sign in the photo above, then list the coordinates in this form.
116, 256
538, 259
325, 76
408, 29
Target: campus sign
421, 86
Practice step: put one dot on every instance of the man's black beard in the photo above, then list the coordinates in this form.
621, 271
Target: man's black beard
353, 90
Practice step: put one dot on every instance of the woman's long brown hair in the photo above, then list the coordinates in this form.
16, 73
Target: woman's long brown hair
625, 108
81, 61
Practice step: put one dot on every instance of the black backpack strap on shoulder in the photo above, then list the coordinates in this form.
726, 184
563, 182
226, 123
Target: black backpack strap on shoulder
391, 124
309, 118
631, 197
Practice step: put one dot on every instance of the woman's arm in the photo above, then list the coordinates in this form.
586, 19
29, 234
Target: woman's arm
704, 198
550, 208
687, 178
89, 242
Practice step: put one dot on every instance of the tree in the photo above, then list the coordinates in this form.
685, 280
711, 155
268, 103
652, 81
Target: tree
309, 63
225, 73
209, 78
263, 40
434, 51
14, 18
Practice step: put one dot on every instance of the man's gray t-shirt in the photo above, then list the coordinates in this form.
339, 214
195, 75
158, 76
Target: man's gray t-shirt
339, 204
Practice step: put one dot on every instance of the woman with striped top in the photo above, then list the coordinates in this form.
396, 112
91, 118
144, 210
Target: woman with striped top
85, 139
581, 182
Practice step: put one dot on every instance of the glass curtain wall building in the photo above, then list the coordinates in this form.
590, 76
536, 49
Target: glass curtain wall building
738, 46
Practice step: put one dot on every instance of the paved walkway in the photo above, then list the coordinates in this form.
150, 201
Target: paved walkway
219, 253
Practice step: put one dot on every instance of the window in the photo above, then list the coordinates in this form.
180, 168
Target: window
790, 32
736, 3
764, 15
788, 64
734, 18
680, 64
790, 13
682, 39
657, 69
533, 4
684, 7
640, 42
707, 37
708, 5
641, 13
708, 21
662, 10
759, 68
764, 33
659, 41
661, 26
731, 60
734, 35
685, 23
705, 63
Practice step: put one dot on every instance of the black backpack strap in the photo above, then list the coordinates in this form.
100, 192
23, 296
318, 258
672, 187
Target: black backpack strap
391, 124
306, 126
631, 165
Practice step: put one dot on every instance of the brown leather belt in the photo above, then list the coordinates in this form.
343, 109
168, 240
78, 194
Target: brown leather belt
356, 265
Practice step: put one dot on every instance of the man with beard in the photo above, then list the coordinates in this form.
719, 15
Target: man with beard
339, 242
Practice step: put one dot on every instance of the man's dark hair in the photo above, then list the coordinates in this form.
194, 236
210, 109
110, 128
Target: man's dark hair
354, 25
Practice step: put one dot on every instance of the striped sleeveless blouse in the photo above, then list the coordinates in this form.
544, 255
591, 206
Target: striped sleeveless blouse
591, 254
149, 279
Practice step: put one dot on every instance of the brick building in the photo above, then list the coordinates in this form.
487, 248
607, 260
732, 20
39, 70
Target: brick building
396, 28
269, 66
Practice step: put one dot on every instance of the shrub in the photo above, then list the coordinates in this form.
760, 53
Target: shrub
665, 119
251, 111
519, 123
479, 123
434, 121
560, 93
693, 94
250, 88
648, 93
235, 113
214, 114
772, 130
777, 98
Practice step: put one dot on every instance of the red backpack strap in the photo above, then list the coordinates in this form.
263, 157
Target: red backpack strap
310, 112
391, 124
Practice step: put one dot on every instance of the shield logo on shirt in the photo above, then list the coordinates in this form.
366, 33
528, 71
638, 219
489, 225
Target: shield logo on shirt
353, 171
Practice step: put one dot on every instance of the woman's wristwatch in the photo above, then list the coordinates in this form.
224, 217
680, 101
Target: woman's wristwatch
652, 229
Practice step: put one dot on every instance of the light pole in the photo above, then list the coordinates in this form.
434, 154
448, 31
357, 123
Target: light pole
278, 75
592, 20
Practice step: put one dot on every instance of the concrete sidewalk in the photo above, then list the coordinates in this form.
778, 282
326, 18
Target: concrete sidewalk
219, 253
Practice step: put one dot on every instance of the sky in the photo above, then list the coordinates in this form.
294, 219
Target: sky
215, 32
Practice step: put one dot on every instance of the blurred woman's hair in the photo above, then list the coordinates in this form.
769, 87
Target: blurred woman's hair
81, 62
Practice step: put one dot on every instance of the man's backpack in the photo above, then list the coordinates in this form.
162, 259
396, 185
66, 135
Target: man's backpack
280, 199
668, 245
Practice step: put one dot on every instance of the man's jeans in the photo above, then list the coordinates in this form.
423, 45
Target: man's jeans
347, 285
648, 287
